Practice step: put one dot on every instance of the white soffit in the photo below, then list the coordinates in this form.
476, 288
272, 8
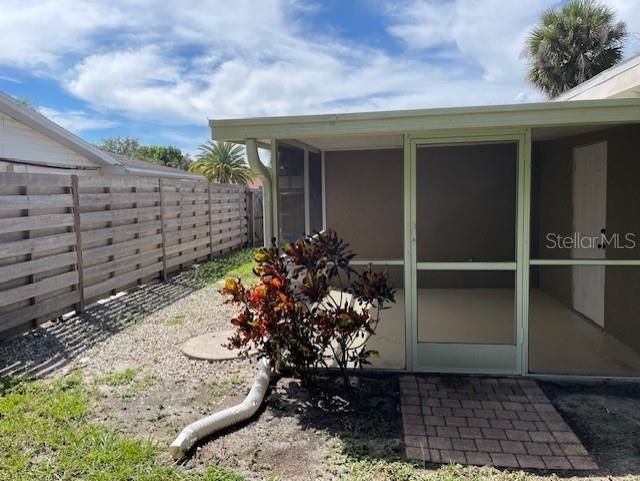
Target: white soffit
355, 142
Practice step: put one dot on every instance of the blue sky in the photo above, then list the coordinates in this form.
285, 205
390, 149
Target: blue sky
157, 70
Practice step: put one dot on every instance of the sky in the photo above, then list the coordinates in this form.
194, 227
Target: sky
157, 70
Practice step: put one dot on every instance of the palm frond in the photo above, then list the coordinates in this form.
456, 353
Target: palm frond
222, 162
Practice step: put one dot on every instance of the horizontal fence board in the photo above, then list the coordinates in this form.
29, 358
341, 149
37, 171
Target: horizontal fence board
185, 233
118, 215
94, 235
26, 268
97, 253
179, 221
17, 294
188, 257
185, 246
171, 211
34, 222
36, 180
227, 206
120, 182
117, 264
121, 281
37, 244
222, 248
222, 236
35, 201
10, 320
119, 198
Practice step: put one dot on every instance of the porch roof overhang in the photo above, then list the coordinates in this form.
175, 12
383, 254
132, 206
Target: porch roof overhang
545, 114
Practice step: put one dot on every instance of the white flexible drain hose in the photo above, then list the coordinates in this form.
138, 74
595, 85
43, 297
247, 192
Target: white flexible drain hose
225, 418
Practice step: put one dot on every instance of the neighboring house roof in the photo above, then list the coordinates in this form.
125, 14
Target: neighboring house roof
620, 81
107, 162
143, 167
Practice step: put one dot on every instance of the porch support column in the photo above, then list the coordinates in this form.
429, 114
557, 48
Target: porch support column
264, 173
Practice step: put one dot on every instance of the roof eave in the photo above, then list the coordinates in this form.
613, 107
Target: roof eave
498, 116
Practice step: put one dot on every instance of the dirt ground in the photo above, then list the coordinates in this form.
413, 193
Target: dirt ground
128, 350
606, 418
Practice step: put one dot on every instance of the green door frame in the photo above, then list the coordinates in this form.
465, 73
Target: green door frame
500, 359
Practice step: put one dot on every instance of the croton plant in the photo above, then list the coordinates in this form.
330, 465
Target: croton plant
310, 308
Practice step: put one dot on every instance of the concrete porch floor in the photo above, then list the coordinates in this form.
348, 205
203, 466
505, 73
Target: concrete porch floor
503, 422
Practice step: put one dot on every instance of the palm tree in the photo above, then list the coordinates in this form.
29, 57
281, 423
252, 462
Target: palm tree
222, 162
572, 44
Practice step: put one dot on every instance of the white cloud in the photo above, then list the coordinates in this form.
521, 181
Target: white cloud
629, 11
181, 62
38, 34
76, 120
490, 33
10, 79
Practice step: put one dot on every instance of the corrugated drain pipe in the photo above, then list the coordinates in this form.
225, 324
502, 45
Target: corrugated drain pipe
225, 418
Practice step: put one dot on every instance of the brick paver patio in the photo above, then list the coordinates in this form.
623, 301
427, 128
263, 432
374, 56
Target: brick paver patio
503, 422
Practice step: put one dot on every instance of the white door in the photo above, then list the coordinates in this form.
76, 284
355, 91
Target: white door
589, 222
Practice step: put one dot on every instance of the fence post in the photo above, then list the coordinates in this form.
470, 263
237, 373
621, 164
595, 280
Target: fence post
162, 232
242, 213
76, 227
210, 223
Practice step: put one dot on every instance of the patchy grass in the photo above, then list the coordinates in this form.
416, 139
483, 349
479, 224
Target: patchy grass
45, 435
226, 386
129, 379
119, 378
237, 264
177, 320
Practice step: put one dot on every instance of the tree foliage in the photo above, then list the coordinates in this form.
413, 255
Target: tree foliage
120, 145
166, 155
572, 44
311, 308
222, 162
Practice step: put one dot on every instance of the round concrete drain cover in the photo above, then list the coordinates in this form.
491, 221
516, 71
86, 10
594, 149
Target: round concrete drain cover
210, 347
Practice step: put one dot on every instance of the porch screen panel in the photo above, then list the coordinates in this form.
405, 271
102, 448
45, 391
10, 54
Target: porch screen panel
364, 200
584, 196
466, 202
315, 192
291, 193
466, 307
571, 334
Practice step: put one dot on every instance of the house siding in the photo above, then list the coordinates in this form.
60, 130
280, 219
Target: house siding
22, 143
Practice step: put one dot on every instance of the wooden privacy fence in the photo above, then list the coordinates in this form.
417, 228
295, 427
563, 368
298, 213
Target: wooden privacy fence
67, 241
